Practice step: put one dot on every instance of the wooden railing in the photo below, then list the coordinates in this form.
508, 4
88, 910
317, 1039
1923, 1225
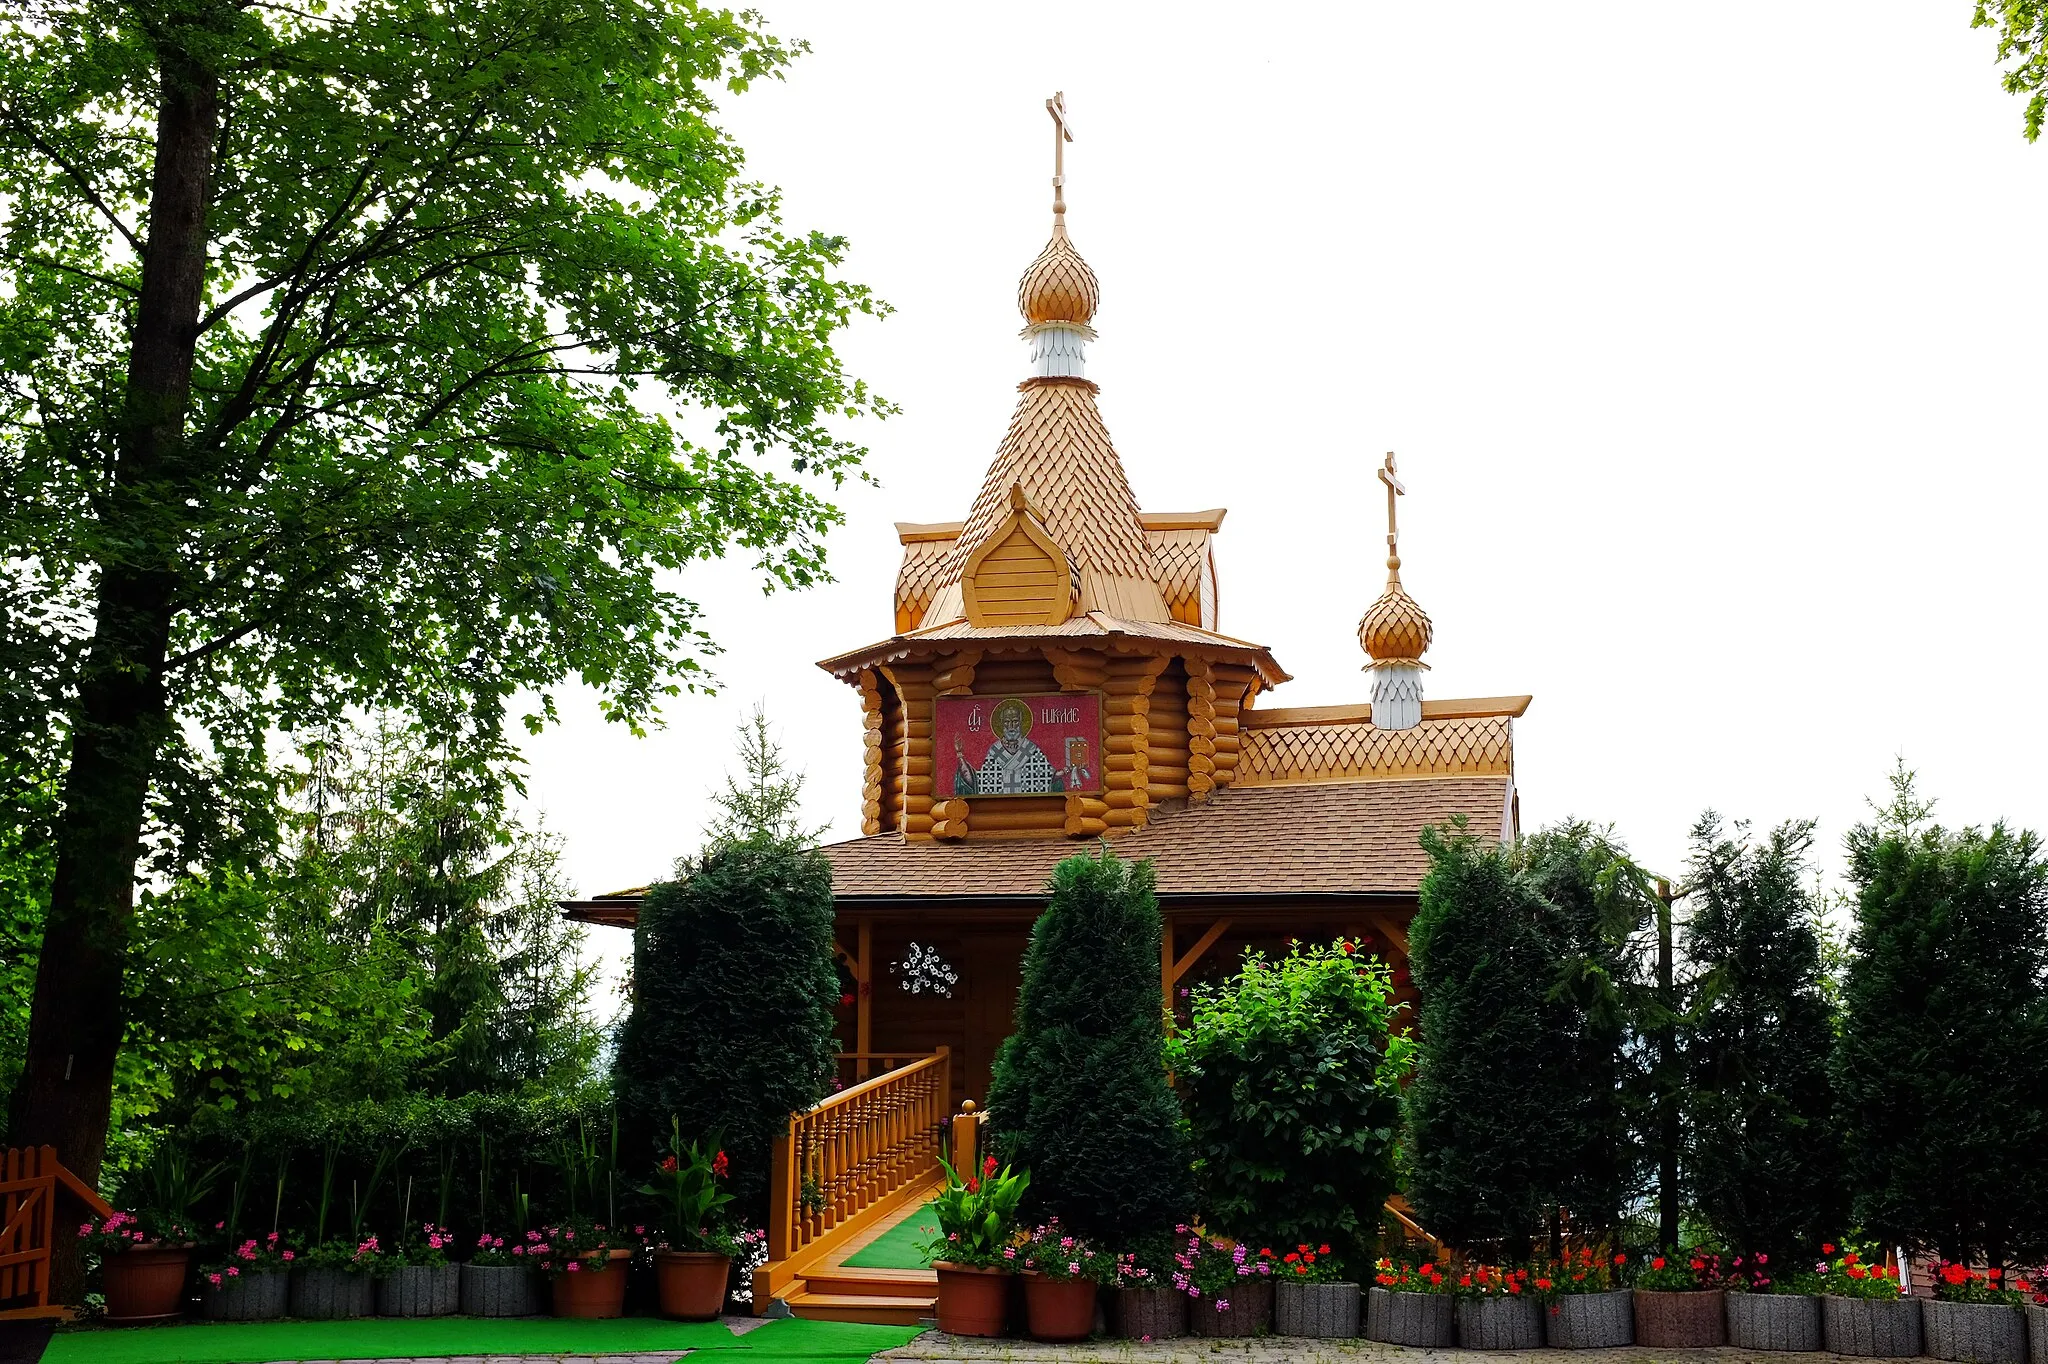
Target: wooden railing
30, 1180
852, 1067
866, 1149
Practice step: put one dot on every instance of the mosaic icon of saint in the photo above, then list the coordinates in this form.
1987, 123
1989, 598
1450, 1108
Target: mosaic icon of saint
1015, 766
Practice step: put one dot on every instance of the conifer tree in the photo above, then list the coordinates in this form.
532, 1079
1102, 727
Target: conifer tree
1764, 1155
1079, 1095
1942, 1063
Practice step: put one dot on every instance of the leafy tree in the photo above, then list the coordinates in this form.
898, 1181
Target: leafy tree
731, 1028
1291, 1074
1079, 1094
2022, 40
1516, 1110
334, 347
1942, 1062
1764, 1155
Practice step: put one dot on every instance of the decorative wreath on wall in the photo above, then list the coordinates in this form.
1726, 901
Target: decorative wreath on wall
923, 971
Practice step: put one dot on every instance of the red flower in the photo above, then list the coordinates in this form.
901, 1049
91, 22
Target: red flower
1657, 1263
1620, 1258
1292, 1257
1323, 1249
973, 1184
988, 1167
845, 1000
668, 1166
1827, 1247
718, 1166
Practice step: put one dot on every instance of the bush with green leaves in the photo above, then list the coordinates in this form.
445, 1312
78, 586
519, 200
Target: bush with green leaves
1942, 1063
1079, 1094
1291, 1073
731, 1029
1763, 1154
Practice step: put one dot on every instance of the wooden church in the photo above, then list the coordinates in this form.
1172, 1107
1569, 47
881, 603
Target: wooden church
1057, 675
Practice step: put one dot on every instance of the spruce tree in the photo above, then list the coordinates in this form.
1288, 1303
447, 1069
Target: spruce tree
1764, 1154
1942, 1064
1079, 1095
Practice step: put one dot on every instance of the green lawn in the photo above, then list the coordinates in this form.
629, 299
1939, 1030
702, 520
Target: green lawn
393, 1337
896, 1248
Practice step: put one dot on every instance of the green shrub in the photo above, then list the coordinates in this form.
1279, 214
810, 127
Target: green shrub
1291, 1076
1079, 1095
731, 1028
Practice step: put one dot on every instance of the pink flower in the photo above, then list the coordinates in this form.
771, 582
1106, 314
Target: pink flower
573, 1266
519, 1250
234, 1272
213, 1279
1223, 1304
85, 1229
288, 1256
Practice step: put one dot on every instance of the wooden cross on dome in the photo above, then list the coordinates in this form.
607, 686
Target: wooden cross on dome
1062, 133
1395, 489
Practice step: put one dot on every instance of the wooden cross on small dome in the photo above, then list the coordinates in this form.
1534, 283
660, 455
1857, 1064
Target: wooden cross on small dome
1062, 133
1395, 489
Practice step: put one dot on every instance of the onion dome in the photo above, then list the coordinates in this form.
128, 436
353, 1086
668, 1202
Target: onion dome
1059, 286
1395, 627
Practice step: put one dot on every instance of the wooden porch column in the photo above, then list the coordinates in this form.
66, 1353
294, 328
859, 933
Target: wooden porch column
863, 1022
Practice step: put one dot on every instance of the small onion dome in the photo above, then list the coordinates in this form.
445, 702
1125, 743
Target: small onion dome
1059, 286
1395, 627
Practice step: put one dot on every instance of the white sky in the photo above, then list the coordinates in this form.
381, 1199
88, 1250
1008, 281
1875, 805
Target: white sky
1710, 341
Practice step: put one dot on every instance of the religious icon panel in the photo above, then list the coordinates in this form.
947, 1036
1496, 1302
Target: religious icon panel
1019, 745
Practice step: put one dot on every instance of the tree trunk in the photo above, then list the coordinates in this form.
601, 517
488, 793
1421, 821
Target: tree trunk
66, 1089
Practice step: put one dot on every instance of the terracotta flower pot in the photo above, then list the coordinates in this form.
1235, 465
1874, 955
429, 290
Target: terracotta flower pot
1886, 1328
690, 1284
1059, 1309
246, 1297
592, 1294
1426, 1320
1151, 1313
1774, 1321
332, 1294
420, 1291
1590, 1321
1250, 1312
1319, 1311
1506, 1323
147, 1283
1683, 1320
1974, 1332
972, 1302
500, 1291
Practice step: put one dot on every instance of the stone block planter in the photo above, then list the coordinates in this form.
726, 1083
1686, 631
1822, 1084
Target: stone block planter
420, 1291
1150, 1313
1250, 1312
332, 1294
2037, 1333
1590, 1321
1323, 1311
499, 1291
246, 1297
1974, 1332
1500, 1324
1427, 1320
1774, 1321
1886, 1328
1682, 1321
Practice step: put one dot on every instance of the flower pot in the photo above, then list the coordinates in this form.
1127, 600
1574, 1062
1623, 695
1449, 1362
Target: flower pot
588, 1293
1428, 1320
146, 1283
23, 1339
1884, 1327
1974, 1332
1684, 1321
1323, 1311
246, 1297
499, 1291
420, 1291
1590, 1321
690, 1284
1151, 1313
331, 1294
972, 1302
2037, 1333
1774, 1321
1510, 1323
1059, 1309
1249, 1313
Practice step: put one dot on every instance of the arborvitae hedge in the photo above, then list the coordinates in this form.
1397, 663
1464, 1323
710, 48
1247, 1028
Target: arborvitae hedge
1943, 1058
1079, 1094
1292, 1083
1763, 1157
731, 1028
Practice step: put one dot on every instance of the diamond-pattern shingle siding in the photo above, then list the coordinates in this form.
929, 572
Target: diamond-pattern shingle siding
1338, 752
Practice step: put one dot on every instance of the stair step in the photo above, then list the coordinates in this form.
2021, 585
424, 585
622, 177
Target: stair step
873, 1309
873, 1283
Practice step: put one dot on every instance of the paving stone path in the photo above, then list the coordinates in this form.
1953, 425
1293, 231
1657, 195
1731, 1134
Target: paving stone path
935, 1348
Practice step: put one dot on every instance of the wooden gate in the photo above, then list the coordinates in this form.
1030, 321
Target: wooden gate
29, 1180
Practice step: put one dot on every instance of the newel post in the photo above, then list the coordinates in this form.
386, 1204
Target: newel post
781, 1196
966, 1133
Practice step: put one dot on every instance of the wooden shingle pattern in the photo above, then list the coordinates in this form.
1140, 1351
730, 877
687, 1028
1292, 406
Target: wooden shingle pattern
1342, 838
918, 579
1471, 746
1179, 556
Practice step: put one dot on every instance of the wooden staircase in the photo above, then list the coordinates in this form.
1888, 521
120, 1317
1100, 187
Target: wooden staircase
846, 1172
